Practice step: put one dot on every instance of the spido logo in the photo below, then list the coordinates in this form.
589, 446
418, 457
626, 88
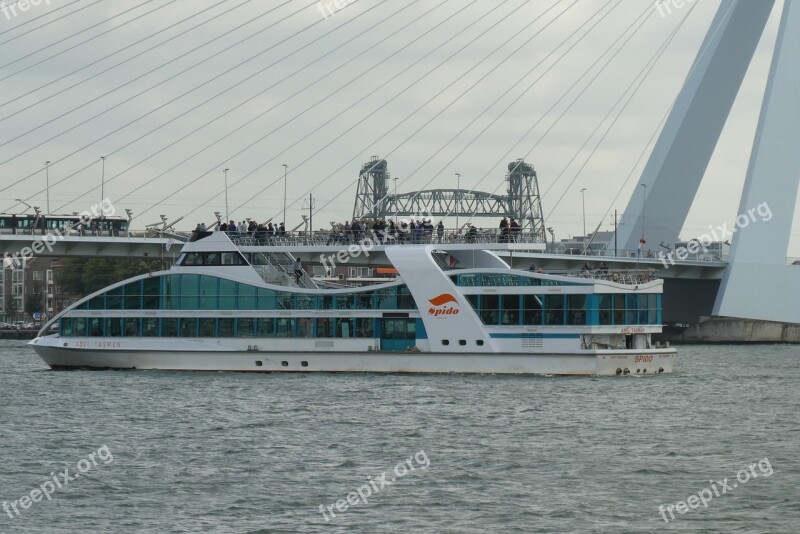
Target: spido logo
444, 304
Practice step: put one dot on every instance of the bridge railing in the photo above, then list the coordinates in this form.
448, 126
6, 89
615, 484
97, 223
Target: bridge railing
408, 237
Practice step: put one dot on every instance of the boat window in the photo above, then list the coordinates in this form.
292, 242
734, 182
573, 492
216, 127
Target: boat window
207, 327
266, 300
304, 302
247, 297
605, 309
133, 295
132, 327
188, 327
266, 327
150, 327
532, 309
79, 326
114, 298
619, 309
169, 327
113, 327
499, 280
209, 290
96, 327
576, 311
404, 299
190, 287
509, 304
97, 303
245, 327
211, 259
324, 327
151, 293
284, 327
305, 328
554, 309
365, 327
345, 327
387, 298
490, 309
227, 294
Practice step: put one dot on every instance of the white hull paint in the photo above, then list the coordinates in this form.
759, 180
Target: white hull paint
590, 363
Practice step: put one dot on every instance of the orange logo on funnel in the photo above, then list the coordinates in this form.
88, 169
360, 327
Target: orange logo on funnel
444, 304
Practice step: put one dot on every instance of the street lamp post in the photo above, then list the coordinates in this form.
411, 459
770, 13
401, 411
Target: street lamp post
285, 167
102, 179
396, 202
644, 211
47, 178
27, 206
458, 200
583, 202
225, 173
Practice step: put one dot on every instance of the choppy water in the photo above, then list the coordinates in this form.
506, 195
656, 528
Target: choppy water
224, 452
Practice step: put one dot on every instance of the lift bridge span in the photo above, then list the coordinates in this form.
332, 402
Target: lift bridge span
522, 200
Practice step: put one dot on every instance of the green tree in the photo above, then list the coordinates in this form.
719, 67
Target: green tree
82, 276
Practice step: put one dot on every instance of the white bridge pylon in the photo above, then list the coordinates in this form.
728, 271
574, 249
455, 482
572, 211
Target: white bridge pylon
757, 284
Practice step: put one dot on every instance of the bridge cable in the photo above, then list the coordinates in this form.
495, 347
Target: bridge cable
634, 89
236, 84
514, 101
65, 50
152, 87
119, 64
461, 95
162, 65
358, 102
633, 28
46, 14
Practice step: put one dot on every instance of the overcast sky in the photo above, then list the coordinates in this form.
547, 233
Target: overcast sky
436, 87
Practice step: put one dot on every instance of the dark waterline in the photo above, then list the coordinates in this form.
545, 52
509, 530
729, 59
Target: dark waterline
230, 452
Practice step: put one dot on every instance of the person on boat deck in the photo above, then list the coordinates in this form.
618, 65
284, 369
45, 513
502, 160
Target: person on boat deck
586, 267
472, 234
298, 270
440, 231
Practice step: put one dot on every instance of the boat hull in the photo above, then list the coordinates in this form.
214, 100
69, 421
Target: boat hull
597, 363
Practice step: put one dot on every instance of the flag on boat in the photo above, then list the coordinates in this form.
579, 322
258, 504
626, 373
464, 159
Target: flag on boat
169, 243
641, 242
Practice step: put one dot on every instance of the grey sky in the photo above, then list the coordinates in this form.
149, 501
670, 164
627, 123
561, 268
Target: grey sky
375, 85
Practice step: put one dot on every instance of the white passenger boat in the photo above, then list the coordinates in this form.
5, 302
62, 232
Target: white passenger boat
450, 309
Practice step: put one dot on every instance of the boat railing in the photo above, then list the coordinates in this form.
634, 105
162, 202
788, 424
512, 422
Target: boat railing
279, 267
619, 276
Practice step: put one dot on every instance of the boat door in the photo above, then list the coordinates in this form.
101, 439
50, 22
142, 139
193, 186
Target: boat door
398, 334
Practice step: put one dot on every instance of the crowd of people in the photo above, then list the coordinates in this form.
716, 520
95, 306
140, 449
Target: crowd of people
248, 229
381, 231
